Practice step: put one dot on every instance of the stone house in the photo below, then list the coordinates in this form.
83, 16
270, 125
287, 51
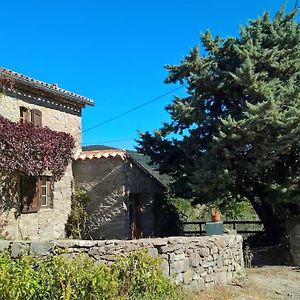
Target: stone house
60, 110
121, 194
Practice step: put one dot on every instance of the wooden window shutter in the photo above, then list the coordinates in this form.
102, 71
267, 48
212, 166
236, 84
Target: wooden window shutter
30, 194
24, 114
36, 117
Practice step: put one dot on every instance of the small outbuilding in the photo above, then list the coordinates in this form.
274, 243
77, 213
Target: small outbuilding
121, 194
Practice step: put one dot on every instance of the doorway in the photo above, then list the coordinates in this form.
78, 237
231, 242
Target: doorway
136, 210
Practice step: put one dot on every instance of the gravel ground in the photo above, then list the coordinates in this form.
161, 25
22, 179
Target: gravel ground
260, 283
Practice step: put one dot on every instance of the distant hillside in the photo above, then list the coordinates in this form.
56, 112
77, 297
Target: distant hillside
96, 147
140, 158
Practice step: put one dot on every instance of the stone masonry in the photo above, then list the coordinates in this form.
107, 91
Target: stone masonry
196, 262
47, 223
109, 181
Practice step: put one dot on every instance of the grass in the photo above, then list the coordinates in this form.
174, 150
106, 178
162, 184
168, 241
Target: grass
226, 293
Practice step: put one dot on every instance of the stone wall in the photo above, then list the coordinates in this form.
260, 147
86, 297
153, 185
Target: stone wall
197, 262
54, 116
47, 223
109, 182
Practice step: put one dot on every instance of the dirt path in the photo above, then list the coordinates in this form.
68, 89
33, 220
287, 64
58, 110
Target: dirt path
274, 282
261, 283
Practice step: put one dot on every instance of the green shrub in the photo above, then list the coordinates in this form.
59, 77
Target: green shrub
76, 225
140, 277
55, 277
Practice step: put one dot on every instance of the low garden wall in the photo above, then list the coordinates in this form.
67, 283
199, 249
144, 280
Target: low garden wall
197, 262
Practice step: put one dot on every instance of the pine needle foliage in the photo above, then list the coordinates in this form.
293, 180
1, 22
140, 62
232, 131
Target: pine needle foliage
237, 130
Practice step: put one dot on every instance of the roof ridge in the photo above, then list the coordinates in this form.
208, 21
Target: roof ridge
90, 154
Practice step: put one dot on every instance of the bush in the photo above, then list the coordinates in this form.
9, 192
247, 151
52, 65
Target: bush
29, 150
140, 277
55, 277
76, 226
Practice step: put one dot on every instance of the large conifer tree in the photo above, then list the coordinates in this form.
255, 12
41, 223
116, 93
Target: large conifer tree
239, 124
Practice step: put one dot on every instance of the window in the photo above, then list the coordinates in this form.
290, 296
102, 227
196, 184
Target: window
36, 117
24, 114
33, 116
45, 191
35, 193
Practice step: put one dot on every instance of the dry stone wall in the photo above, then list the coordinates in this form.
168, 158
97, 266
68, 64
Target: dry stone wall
196, 262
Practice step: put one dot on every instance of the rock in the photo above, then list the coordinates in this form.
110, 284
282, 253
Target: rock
179, 266
179, 278
208, 264
188, 276
203, 252
221, 277
153, 252
38, 248
197, 284
209, 278
194, 260
18, 249
100, 243
160, 242
170, 248
214, 250
4, 245
165, 268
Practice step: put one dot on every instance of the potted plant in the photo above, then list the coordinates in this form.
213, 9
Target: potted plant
215, 214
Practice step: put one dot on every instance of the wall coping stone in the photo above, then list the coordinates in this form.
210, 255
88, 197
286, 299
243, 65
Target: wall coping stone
196, 262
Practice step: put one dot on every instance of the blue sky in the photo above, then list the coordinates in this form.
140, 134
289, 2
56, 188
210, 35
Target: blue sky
114, 51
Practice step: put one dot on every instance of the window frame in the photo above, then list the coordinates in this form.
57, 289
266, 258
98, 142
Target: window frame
35, 204
47, 195
33, 116
25, 114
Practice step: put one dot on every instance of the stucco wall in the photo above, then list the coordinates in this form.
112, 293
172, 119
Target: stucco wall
47, 223
196, 262
108, 182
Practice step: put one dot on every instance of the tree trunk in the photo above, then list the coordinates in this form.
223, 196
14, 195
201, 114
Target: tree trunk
274, 226
272, 220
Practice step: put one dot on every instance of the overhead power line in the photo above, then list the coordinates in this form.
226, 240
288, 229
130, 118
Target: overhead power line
132, 109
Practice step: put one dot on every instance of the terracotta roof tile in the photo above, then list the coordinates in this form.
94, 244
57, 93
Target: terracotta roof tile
102, 154
123, 154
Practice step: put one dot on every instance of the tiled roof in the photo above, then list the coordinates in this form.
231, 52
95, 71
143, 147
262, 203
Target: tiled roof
50, 88
102, 154
123, 154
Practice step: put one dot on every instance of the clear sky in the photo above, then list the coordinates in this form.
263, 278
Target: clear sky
114, 51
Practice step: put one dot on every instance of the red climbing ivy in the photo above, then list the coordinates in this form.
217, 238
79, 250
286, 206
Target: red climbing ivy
25, 149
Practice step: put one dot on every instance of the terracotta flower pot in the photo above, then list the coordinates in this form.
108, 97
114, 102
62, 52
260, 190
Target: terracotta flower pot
215, 215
